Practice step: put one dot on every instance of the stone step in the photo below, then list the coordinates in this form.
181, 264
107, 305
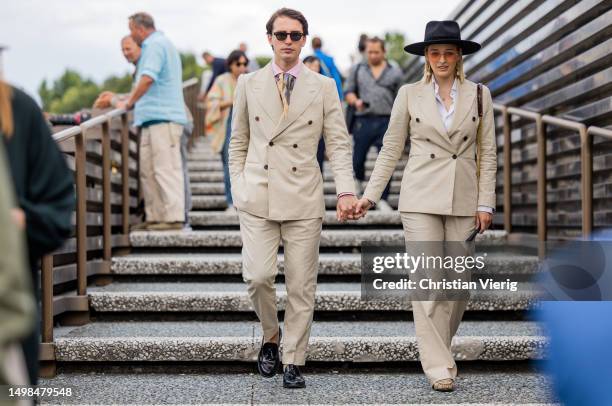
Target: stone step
217, 202
224, 218
329, 264
329, 238
233, 297
353, 341
218, 188
217, 176
206, 177
210, 166
478, 383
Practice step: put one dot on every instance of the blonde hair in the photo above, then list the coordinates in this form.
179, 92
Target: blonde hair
6, 111
428, 72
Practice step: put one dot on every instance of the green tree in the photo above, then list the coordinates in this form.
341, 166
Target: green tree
191, 69
118, 84
71, 92
395, 42
75, 98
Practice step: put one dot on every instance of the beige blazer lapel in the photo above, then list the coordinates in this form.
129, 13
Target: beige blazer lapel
465, 100
427, 103
266, 93
305, 89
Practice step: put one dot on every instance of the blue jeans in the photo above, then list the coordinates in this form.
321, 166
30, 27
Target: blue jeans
369, 130
225, 160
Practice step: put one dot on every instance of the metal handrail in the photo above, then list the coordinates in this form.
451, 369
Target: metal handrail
586, 160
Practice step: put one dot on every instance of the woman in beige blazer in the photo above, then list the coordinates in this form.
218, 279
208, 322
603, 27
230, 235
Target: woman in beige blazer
442, 197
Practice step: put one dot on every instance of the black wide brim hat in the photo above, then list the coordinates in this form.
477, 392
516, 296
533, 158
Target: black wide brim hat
442, 32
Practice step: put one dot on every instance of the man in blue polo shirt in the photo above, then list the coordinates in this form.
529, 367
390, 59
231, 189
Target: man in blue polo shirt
160, 113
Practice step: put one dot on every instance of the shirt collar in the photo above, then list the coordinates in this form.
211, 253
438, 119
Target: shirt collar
453, 91
146, 40
295, 71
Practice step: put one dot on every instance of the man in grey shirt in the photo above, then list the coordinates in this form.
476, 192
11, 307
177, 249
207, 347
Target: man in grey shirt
371, 88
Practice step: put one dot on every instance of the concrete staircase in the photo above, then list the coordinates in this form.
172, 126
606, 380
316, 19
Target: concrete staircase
176, 320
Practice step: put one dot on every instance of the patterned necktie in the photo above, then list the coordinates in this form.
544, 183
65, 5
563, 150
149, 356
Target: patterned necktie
285, 87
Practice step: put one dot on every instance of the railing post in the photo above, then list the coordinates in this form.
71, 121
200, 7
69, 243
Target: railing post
47, 298
46, 346
81, 213
542, 179
107, 244
586, 155
507, 171
125, 175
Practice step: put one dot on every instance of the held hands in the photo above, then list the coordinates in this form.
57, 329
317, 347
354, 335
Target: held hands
345, 209
350, 208
362, 206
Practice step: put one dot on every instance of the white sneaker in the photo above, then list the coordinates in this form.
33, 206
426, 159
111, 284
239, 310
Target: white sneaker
382, 205
230, 209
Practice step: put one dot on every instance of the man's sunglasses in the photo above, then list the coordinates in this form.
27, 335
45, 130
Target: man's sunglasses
294, 35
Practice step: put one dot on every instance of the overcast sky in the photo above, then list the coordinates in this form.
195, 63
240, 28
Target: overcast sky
45, 37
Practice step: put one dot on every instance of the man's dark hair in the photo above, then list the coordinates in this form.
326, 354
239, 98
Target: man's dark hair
376, 40
362, 42
316, 43
235, 56
290, 13
205, 54
143, 19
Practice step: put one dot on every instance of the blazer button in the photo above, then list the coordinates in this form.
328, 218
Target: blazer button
266, 166
256, 118
294, 169
454, 156
427, 139
418, 120
271, 143
465, 138
309, 122
294, 145
473, 118
432, 156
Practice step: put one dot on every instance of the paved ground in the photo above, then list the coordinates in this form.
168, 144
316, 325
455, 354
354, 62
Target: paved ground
478, 384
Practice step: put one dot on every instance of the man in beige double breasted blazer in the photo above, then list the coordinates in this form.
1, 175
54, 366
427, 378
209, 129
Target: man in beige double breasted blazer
442, 196
277, 185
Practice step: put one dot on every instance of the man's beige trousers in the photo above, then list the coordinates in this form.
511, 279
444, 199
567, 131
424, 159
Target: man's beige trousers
161, 173
436, 322
260, 242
